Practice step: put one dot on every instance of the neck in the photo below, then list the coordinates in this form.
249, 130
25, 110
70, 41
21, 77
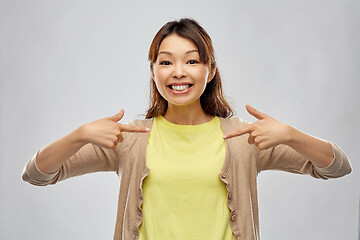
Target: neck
192, 114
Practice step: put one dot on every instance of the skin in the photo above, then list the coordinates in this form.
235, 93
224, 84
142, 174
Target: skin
179, 62
268, 132
105, 132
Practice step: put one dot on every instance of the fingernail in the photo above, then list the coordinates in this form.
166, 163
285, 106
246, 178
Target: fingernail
224, 136
147, 129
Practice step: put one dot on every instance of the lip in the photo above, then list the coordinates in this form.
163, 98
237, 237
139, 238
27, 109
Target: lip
179, 83
179, 92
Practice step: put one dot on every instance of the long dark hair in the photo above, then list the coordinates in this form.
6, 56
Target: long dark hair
212, 100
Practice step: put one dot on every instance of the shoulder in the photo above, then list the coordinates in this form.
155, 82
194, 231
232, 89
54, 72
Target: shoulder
131, 138
239, 145
142, 122
233, 122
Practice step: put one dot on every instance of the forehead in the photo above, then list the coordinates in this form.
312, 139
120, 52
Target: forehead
175, 43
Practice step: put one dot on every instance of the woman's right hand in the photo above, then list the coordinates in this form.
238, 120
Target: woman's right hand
107, 132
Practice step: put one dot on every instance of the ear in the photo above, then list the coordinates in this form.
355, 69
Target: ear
152, 72
211, 75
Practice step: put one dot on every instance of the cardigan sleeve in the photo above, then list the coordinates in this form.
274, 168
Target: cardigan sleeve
283, 157
90, 158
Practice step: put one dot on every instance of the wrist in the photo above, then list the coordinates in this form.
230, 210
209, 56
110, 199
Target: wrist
290, 135
79, 135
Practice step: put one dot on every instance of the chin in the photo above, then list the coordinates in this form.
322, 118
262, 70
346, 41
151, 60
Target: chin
183, 103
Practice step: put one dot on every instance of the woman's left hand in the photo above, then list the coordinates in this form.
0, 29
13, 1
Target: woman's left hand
265, 133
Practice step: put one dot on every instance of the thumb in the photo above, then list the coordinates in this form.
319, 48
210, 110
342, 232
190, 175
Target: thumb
259, 115
117, 117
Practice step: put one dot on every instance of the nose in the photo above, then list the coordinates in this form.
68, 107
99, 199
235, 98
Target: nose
179, 71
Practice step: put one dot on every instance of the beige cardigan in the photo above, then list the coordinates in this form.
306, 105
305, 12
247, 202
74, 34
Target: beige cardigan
242, 164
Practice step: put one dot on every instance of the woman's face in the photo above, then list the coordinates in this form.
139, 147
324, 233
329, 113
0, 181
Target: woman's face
179, 75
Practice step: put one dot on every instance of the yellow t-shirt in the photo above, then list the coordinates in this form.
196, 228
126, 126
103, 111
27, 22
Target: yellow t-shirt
184, 197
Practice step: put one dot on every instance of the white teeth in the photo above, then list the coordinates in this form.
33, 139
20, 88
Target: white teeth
179, 87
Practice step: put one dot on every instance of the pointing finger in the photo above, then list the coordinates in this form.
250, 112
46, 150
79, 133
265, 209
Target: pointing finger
254, 112
239, 132
131, 128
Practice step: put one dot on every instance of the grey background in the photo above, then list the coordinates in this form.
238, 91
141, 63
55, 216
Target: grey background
65, 63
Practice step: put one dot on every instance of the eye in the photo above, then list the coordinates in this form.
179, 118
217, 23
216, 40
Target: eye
193, 62
165, 63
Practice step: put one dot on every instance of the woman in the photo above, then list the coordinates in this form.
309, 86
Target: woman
204, 162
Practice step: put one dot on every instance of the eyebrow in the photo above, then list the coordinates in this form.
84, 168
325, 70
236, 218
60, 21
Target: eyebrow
166, 52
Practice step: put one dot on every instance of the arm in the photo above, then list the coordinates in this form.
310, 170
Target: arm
318, 151
88, 148
50, 158
286, 148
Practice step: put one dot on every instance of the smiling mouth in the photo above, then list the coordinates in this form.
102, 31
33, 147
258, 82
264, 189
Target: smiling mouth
180, 87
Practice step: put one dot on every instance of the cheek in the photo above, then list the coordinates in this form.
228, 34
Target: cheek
202, 74
160, 75
159, 78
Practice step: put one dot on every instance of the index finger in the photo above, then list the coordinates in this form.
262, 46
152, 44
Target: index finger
239, 132
256, 113
132, 128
